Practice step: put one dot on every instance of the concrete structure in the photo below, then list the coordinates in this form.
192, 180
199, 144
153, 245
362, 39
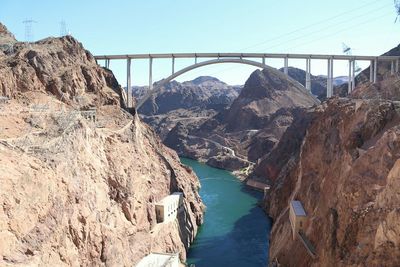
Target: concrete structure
249, 59
169, 207
160, 260
257, 185
297, 217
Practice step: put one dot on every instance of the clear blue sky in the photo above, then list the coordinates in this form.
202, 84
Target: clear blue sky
165, 26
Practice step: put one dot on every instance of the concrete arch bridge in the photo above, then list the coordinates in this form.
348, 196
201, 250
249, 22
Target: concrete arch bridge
253, 59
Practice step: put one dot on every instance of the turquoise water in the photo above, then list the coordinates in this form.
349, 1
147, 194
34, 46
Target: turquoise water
235, 231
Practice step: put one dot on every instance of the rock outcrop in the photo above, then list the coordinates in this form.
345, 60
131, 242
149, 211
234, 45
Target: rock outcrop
362, 79
78, 184
250, 128
318, 83
341, 160
190, 102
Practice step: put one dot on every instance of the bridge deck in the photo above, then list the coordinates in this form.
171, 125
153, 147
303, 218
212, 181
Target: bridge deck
246, 55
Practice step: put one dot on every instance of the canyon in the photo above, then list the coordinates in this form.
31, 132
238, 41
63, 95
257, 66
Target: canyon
80, 175
341, 161
238, 136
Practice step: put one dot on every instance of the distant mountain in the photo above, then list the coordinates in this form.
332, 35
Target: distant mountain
250, 128
184, 102
203, 92
318, 83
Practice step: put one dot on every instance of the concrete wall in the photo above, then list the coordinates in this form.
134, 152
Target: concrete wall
169, 207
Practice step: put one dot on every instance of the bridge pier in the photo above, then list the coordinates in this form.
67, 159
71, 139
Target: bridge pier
128, 84
397, 66
263, 60
353, 75
349, 79
150, 73
286, 65
308, 74
392, 67
371, 71
375, 69
107, 63
329, 88
173, 65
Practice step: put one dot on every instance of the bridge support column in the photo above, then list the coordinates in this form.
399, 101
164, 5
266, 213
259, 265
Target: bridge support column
286, 65
329, 82
263, 60
350, 80
107, 63
397, 66
308, 74
375, 70
392, 67
371, 71
353, 75
150, 73
173, 65
128, 84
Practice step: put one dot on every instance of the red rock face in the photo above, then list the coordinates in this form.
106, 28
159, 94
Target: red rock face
346, 174
74, 191
58, 66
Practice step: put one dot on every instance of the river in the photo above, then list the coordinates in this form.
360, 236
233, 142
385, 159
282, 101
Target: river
235, 230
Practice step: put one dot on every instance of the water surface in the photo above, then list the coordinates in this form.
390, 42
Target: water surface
235, 231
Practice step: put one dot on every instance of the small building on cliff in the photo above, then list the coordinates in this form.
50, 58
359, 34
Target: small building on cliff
169, 207
160, 260
297, 217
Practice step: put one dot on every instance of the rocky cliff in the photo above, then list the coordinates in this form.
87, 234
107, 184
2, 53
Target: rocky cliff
80, 176
250, 128
190, 102
318, 83
383, 73
341, 160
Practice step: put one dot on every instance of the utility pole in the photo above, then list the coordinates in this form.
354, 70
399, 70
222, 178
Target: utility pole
63, 28
29, 30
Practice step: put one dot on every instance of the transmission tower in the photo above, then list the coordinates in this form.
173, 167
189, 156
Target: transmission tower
348, 51
29, 30
63, 28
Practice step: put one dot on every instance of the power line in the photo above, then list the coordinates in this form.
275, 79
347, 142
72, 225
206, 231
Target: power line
344, 30
320, 38
325, 28
309, 26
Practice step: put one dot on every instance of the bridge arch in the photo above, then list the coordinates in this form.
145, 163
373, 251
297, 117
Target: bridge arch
163, 82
